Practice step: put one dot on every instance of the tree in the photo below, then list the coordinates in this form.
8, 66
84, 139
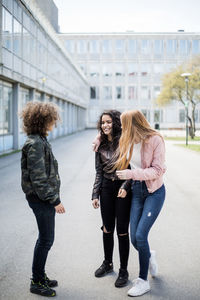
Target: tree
174, 88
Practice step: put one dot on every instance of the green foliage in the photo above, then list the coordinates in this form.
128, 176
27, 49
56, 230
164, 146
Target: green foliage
174, 88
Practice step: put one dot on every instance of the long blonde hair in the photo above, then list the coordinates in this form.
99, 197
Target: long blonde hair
134, 126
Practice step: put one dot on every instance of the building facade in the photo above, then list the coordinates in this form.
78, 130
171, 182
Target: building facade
34, 65
125, 71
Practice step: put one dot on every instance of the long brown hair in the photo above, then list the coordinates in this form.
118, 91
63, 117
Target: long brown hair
134, 125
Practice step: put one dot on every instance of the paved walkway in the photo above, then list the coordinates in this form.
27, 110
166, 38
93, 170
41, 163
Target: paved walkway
77, 251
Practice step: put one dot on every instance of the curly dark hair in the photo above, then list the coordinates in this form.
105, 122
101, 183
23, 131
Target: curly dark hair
116, 127
37, 116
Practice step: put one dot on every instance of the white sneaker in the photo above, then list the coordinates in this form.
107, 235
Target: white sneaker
153, 266
139, 288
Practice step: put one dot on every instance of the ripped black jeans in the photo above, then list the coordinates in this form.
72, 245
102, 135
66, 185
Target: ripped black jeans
115, 212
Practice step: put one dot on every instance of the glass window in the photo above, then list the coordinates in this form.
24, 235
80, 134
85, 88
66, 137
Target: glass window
94, 70
17, 36
8, 4
132, 69
158, 47
132, 92
171, 47
106, 47
6, 109
156, 116
132, 46
70, 46
17, 11
94, 47
184, 47
145, 69
38, 96
145, 92
26, 21
119, 92
81, 47
107, 70
119, 46
158, 68
94, 92
1, 109
182, 115
156, 91
146, 113
145, 47
24, 98
119, 69
170, 67
196, 46
26, 45
107, 92
7, 29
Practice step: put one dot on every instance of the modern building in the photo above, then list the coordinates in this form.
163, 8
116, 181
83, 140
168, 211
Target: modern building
125, 71
34, 65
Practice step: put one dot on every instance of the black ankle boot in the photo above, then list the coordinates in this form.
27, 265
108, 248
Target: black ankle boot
122, 278
105, 268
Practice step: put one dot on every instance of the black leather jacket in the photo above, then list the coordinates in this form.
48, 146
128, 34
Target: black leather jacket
102, 159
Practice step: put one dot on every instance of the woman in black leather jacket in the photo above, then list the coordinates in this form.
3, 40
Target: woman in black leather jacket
114, 195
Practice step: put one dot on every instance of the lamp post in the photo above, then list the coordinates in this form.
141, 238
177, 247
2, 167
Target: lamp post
186, 77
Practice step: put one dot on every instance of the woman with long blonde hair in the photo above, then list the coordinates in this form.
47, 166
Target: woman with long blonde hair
143, 148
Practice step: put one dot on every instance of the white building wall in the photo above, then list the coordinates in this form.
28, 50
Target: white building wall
155, 54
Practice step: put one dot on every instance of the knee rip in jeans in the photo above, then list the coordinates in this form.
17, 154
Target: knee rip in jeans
103, 228
123, 234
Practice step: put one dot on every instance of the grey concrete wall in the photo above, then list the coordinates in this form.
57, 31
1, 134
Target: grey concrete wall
50, 10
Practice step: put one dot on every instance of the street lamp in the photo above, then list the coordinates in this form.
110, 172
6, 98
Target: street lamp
186, 102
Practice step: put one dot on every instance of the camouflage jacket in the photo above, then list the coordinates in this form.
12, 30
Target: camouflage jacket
40, 179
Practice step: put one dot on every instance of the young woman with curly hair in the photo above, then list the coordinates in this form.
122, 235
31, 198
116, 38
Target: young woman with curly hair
144, 148
41, 185
114, 197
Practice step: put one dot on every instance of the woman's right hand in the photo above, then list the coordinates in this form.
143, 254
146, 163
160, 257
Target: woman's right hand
95, 203
96, 143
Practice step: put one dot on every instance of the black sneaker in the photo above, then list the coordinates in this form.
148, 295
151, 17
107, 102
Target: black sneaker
105, 268
122, 278
50, 282
41, 289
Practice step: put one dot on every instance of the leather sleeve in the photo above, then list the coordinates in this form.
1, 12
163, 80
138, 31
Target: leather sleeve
126, 185
98, 178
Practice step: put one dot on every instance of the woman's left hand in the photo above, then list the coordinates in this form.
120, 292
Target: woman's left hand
124, 174
122, 193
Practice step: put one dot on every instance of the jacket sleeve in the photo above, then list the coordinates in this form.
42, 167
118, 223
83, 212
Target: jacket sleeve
98, 178
126, 185
157, 167
42, 186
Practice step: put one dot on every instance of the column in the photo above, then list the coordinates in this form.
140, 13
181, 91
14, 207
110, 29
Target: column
16, 97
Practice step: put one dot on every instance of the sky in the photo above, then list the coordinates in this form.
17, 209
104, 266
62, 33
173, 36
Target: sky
128, 15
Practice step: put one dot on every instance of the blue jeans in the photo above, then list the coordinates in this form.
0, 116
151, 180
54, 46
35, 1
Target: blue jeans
45, 217
145, 209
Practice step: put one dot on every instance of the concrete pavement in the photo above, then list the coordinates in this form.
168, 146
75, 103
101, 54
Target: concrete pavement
77, 251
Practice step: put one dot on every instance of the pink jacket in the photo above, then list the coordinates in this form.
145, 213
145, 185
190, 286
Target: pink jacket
153, 163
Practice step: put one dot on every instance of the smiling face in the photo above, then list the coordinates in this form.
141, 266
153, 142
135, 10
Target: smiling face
106, 125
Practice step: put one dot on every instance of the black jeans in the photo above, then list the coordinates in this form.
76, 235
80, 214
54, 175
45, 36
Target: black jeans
115, 211
45, 217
